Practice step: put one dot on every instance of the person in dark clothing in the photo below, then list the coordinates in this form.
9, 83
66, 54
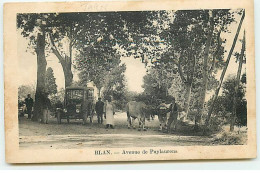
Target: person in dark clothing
29, 105
99, 108
173, 116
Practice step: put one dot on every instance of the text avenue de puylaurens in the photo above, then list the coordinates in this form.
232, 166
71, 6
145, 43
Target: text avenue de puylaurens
130, 152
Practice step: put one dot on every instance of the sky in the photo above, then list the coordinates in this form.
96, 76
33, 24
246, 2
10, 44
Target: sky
135, 70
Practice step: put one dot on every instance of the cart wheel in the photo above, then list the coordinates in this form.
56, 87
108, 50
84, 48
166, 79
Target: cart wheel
58, 118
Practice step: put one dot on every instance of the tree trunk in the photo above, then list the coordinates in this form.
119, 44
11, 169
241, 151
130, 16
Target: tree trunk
187, 98
189, 86
67, 74
225, 69
65, 62
205, 71
41, 69
233, 118
188, 83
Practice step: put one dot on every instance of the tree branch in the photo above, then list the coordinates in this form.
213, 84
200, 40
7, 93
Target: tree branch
180, 71
193, 69
73, 42
55, 50
217, 50
70, 49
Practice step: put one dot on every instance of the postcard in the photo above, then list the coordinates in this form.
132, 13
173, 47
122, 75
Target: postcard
129, 81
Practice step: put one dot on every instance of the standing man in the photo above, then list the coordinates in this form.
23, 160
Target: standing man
29, 105
173, 115
46, 108
99, 108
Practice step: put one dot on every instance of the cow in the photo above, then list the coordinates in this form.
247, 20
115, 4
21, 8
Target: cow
135, 110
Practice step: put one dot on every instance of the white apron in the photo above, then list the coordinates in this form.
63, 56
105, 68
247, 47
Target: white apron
109, 113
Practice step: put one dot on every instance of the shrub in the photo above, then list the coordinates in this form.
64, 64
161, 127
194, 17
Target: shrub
230, 138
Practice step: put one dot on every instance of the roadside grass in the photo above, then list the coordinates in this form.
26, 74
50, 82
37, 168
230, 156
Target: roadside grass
220, 135
225, 137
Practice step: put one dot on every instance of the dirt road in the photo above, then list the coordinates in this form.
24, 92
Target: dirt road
76, 135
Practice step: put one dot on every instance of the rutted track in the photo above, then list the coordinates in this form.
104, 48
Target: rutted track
75, 135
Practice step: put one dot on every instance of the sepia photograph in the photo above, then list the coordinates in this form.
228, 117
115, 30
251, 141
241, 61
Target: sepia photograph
132, 82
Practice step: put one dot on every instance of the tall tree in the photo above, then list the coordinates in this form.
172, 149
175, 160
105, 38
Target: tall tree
184, 37
193, 41
63, 29
205, 68
33, 27
41, 69
225, 68
241, 58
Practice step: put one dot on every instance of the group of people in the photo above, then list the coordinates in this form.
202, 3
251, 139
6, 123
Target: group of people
46, 107
102, 109
108, 110
162, 115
